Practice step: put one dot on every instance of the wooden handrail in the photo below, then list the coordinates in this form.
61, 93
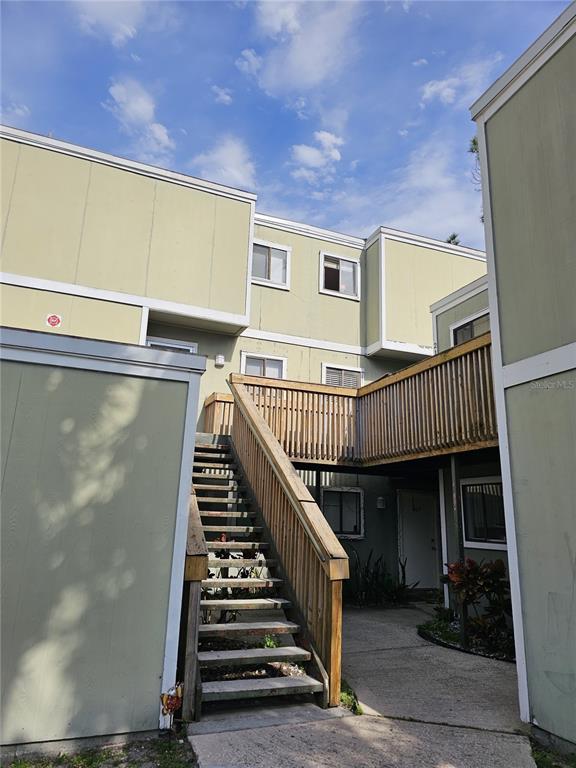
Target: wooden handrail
299, 386
311, 559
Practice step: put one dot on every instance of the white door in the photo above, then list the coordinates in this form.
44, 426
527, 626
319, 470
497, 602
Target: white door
417, 537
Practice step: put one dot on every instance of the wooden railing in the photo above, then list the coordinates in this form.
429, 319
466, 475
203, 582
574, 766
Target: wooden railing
218, 413
311, 559
312, 422
196, 570
440, 405
444, 404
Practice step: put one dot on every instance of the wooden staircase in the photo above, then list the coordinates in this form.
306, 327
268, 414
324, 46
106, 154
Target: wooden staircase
246, 646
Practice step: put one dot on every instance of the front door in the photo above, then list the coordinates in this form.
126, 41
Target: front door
417, 537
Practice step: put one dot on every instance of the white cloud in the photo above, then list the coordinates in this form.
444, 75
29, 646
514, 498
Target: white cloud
312, 43
222, 95
316, 163
114, 19
249, 62
420, 63
463, 86
134, 108
15, 114
403, 132
228, 162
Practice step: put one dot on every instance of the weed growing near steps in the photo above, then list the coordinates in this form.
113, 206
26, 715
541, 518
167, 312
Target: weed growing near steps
348, 699
546, 758
270, 641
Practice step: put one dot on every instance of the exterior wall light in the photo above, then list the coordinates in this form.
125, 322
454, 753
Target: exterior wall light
219, 361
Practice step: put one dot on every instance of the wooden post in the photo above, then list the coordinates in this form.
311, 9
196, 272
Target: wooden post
335, 639
457, 517
190, 710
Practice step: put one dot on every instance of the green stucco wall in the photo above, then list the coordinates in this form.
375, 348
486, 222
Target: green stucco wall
542, 442
532, 166
90, 477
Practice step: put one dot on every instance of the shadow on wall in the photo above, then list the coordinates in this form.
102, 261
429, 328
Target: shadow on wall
90, 478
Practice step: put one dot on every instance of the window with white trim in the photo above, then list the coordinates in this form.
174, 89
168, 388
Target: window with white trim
270, 264
471, 329
343, 508
269, 367
483, 513
172, 345
339, 276
342, 377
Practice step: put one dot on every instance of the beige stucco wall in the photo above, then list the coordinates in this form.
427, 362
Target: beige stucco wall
79, 221
86, 548
304, 311
416, 277
542, 444
460, 312
304, 363
89, 318
532, 166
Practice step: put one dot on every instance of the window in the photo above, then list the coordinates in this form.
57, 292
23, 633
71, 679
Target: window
340, 276
343, 508
483, 513
341, 377
270, 265
172, 345
270, 367
473, 327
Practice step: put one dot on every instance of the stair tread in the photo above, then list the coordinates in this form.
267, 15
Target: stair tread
226, 513
217, 583
232, 528
272, 686
249, 628
218, 447
247, 656
240, 562
237, 545
221, 456
245, 604
221, 500
211, 487
214, 465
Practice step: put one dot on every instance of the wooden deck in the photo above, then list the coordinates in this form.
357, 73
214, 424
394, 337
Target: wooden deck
441, 405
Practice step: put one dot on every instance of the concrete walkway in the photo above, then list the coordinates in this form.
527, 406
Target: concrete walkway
425, 706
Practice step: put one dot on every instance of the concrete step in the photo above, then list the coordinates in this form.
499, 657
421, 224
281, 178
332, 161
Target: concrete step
263, 687
237, 546
246, 604
244, 583
231, 529
239, 562
242, 628
244, 657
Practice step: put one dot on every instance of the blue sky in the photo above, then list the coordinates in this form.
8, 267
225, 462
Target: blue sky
348, 115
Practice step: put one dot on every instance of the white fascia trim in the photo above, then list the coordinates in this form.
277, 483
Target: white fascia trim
301, 341
539, 366
501, 417
337, 294
398, 346
443, 535
263, 356
298, 228
84, 153
382, 296
279, 247
543, 48
342, 368
459, 323
460, 295
250, 248
143, 326
158, 305
426, 242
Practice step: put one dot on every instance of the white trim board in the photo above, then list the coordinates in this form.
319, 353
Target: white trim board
85, 153
308, 230
117, 297
533, 58
426, 242
539, 366
443, 535
501, 416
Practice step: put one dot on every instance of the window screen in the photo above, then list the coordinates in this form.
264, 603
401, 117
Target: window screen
339, 377
483, 509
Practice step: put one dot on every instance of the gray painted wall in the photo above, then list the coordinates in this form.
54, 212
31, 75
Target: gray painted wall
465, 309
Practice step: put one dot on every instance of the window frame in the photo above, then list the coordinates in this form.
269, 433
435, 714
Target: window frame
339, 367
465, 321
271, 283
471, 543
345, 489
351, 297
245, 354
175, 345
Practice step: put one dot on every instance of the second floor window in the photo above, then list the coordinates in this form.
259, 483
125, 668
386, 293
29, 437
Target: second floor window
270, 265
471, 329
338, 275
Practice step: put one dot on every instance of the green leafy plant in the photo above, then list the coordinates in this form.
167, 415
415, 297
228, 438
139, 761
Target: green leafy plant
348, 698
270, 641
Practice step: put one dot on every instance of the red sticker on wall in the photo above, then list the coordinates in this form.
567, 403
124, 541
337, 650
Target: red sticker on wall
54, 321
